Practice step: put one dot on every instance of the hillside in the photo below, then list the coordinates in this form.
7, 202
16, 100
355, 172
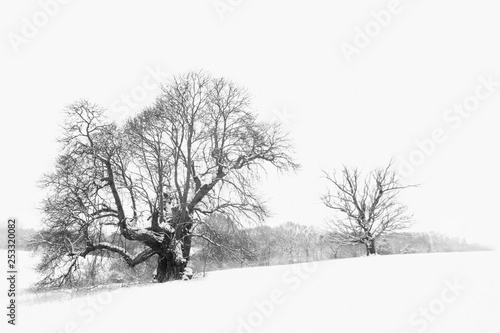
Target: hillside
451, 292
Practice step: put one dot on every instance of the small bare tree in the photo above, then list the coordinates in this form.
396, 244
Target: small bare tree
365, 208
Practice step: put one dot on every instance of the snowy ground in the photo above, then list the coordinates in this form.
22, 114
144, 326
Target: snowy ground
455, 292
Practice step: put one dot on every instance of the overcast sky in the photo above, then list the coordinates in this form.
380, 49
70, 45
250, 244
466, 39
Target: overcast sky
354, 82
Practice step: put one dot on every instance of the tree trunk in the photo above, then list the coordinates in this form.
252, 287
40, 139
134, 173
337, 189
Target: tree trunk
370, 247
169, 269
205, 267
172, 265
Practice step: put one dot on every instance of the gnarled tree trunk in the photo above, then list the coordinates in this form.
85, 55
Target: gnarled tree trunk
169, 268
370, 247
171, 265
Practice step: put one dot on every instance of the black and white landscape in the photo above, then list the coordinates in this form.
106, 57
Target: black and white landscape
250, 166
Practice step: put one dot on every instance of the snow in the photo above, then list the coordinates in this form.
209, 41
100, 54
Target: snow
451, 292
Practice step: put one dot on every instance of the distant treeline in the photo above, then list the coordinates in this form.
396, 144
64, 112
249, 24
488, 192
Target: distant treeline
258, 246
23, 237
294, 243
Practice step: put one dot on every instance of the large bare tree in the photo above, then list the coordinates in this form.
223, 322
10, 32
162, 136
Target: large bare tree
152, 181
365, 207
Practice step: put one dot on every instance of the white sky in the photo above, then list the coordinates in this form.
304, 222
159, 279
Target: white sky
288, 54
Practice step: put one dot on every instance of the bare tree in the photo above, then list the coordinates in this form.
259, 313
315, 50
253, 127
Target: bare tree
309, 242
365, 209
290, 236
153, 181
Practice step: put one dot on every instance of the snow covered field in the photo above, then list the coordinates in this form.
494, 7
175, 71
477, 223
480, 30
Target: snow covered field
452, 292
